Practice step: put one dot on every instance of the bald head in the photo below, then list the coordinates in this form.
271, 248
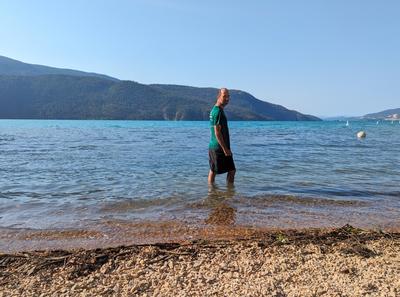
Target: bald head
222, 91
223, 97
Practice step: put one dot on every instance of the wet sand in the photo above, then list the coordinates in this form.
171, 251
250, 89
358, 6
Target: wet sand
314, 262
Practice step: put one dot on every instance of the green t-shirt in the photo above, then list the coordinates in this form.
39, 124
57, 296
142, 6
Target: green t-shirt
218, 117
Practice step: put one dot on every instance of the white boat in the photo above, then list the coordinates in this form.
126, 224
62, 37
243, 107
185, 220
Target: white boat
347, 123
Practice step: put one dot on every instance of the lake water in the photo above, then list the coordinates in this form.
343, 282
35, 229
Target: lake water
57, 174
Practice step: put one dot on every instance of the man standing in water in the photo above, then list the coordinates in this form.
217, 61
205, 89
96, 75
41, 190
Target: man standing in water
219, 149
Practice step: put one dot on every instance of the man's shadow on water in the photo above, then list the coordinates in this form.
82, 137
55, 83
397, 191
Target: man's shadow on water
221, 213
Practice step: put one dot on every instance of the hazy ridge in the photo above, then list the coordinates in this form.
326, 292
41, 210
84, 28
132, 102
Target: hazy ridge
42, 92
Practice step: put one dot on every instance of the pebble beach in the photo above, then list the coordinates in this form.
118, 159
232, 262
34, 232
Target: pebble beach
342, 261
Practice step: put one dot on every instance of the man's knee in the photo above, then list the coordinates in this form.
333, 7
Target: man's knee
232, 172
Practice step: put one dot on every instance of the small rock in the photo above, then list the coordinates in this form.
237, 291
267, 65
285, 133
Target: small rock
170, 265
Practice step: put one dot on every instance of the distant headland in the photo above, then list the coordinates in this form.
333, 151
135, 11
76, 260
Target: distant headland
29, 91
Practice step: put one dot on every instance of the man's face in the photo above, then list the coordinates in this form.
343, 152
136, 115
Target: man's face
225, 97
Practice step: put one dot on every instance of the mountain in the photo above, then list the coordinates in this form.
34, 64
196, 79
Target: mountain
242, 106
41, 95
13, 67
388, 114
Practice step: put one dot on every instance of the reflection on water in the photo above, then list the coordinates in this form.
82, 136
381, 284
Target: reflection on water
221, 212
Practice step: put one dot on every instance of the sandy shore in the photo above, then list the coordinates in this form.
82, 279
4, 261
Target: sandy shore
336, 262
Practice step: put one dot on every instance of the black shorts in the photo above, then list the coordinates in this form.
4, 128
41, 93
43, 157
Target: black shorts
219, 163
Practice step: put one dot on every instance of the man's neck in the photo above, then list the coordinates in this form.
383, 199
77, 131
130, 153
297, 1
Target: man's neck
219, 105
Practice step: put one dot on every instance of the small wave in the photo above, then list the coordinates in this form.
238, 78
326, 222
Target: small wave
46, 195
11, 195
6, 138
80, 194
269, 200
259, 144
135, 204
341, 146
355, 193
83, 147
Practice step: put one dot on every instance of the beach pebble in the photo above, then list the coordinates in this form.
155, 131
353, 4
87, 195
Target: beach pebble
235, 269
170, 265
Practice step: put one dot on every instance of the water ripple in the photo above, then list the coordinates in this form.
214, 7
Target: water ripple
92, 165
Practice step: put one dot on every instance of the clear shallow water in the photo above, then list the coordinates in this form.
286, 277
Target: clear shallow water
79, 174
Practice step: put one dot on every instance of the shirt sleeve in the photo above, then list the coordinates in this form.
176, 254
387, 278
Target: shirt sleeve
216, 119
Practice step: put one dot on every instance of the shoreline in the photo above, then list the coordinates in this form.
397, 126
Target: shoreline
310, 262
220, 225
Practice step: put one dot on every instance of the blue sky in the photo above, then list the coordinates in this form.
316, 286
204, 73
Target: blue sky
325, 58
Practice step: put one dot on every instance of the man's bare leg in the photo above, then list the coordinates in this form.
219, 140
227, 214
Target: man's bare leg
230, 178
211, 177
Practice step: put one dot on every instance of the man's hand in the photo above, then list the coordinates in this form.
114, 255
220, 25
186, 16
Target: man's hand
227, 152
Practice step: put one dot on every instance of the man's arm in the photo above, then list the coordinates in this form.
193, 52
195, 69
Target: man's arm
220, 139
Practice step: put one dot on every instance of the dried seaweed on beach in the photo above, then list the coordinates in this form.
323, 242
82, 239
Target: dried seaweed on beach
134, 269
